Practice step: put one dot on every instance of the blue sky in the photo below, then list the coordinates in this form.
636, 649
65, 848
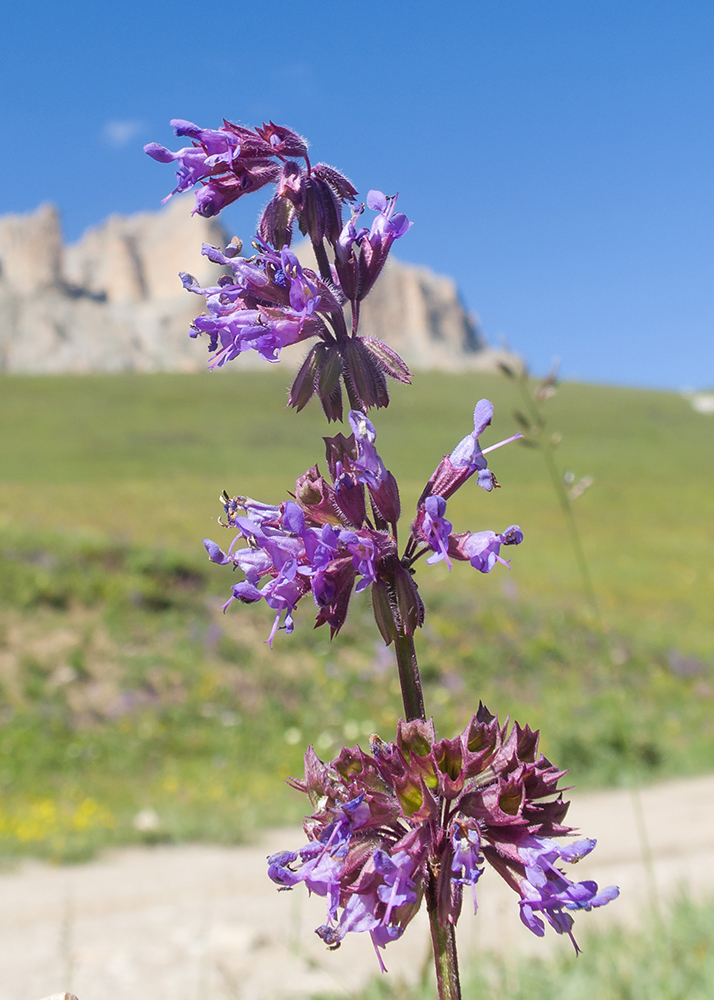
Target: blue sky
555, 155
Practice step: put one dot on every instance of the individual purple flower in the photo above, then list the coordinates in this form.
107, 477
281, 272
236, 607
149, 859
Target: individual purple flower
418, 809
219, 192
465, 870
368, 468
467, 459
191, 165
467, 454
388, 225
482, 548
435, 529
219, 145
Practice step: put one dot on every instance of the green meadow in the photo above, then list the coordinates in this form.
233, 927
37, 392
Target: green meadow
132, 709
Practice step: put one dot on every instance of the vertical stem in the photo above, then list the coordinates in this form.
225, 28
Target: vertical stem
409, 677
575, 542
446, 962
564, 501
647, 859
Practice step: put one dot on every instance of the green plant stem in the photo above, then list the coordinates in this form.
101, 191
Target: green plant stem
575, 541
446, 964
564, 501
443, 939
409, 677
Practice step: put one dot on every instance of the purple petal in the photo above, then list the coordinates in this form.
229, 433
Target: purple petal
377, 201
246, 592
514, 536
486, 479
483, 415
293, 518
529, 918
215, 552
160, 153
580, 848
400, 224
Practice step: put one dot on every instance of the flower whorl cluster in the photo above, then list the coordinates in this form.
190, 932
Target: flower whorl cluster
340, 535
421, 811
269, 301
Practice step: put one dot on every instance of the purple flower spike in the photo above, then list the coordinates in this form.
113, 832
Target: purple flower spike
467, 459
340, 537
435, 529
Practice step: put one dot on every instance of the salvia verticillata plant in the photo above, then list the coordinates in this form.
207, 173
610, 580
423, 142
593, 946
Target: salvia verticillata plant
417, 819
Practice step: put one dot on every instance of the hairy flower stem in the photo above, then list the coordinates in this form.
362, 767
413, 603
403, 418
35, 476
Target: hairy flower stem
446, 963
443, 938
409, 677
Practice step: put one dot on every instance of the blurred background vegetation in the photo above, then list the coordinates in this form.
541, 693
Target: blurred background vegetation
670, 957
132, 709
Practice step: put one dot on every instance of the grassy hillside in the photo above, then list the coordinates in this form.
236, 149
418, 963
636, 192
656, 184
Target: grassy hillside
125, 689
143, 458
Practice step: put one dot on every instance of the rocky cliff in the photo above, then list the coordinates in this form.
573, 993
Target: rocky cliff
113, 301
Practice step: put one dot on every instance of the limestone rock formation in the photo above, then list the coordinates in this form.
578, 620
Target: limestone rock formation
421, 316
113, 301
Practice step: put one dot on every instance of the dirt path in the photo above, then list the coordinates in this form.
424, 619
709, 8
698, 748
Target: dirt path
204, 923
